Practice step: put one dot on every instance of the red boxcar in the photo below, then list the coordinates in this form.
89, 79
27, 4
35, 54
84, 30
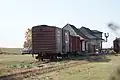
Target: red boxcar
75, 43
46, 39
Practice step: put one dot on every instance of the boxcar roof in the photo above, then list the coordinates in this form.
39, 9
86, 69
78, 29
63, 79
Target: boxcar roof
45, 26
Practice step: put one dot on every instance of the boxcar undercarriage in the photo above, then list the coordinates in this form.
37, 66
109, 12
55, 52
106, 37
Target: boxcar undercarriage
51, 56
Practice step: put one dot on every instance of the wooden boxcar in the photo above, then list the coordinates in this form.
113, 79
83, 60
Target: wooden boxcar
65, 41
49, 41
75, 44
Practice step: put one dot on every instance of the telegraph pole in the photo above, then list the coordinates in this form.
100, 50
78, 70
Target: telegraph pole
106, 36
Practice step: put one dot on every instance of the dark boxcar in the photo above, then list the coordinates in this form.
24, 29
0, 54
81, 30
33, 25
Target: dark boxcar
75, 43
46, 39
65, 41
116, 45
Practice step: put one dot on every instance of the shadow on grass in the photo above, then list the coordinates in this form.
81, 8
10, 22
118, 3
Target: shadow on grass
91, 58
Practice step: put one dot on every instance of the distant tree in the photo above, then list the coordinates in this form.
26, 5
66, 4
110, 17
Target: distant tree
28, 38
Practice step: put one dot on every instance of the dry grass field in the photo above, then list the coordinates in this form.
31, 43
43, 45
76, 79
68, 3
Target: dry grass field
16, 51
92, 70
9, 63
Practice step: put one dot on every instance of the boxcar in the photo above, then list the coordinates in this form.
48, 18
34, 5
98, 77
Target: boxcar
75, 44
65, 41
46, 41
49, 41
116, 45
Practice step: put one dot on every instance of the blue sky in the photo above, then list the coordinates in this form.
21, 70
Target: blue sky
18, 15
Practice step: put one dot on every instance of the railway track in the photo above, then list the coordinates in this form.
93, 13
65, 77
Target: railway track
31, 72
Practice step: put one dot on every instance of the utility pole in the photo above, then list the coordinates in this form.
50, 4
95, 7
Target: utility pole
106, 36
